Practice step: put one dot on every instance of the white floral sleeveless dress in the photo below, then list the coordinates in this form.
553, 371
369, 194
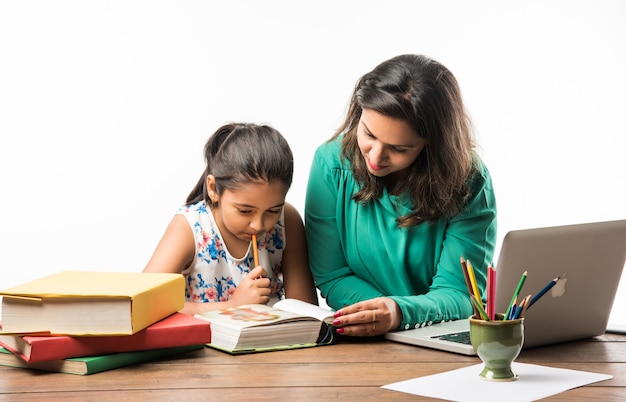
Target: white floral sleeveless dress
214, 274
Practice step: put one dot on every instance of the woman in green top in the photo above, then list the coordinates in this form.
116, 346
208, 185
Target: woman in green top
395, 198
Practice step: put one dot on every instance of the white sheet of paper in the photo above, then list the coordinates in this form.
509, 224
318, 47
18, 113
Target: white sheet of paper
534, 382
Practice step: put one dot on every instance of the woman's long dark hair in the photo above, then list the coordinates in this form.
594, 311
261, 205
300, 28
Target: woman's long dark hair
424, 94
241, 153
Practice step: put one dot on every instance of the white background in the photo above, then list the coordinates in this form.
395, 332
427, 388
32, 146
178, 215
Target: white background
105, 107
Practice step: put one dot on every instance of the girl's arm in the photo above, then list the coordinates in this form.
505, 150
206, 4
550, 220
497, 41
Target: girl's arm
297, 276
173, 254
175, 250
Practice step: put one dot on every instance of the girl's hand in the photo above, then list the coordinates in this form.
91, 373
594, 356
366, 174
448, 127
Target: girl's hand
253, 289
368, 318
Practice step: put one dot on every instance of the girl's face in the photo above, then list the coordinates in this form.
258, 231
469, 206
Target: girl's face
251, 209
388, 145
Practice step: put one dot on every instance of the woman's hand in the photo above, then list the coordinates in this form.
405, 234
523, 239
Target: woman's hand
368, 318
253, 289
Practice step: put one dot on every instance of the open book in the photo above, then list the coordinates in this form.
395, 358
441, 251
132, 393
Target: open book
250, 328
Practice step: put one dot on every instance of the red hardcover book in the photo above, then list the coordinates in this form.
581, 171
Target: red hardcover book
175, 330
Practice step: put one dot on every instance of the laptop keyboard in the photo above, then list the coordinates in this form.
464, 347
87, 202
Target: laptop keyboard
458, 337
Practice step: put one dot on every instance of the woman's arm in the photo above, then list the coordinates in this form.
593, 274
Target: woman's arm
472, 235
326, 239
297, 276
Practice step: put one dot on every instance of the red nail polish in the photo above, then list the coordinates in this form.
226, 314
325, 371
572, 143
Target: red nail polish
336, 322
340, 330
337, 314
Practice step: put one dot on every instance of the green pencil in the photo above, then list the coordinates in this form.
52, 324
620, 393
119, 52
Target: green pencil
515, 294
480, 308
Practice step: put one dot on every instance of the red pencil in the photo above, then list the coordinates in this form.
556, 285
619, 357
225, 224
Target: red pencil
491, 291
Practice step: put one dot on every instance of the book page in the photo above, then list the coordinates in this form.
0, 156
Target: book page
304, 308
251, 315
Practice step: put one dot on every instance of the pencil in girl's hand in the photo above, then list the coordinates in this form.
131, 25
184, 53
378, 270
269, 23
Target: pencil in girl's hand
255, 250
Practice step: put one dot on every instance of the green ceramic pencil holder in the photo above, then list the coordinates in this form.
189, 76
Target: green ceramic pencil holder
497, 343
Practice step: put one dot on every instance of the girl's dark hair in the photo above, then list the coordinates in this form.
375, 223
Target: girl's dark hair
424, 94
241, 153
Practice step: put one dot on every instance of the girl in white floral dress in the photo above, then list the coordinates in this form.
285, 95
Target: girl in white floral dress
241, 194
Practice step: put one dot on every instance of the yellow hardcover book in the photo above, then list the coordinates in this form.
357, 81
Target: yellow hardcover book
84, 303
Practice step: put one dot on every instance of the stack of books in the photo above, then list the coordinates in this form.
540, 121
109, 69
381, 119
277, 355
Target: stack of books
83, 322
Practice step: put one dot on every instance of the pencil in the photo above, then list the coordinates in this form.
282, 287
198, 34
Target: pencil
255, 250
516, 293
468, 283
523, 306
526, 305
491, 291
481, 311
511, 313
543, 291
472, 276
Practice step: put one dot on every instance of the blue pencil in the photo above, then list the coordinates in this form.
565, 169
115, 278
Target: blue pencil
543, 291
512, 310
521, 309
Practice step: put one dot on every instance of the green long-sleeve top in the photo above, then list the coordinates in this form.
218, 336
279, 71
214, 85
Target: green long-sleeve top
357, 252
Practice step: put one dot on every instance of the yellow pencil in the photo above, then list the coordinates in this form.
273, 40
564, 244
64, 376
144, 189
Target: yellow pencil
470, 271
255, 250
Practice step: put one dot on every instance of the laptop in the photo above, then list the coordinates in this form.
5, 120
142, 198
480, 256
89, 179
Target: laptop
589, 259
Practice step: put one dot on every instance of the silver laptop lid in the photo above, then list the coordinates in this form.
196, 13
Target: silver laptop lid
591, 257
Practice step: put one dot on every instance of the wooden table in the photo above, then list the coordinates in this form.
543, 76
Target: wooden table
349, 371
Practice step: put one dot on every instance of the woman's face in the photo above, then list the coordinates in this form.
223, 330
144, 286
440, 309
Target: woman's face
388, 145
